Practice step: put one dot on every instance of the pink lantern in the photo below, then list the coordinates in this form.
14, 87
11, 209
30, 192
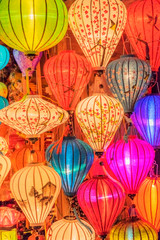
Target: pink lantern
8, 217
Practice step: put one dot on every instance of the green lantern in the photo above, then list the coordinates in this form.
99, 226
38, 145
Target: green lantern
34, 25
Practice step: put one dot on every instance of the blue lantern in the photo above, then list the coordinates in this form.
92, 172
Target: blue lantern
72, 163
3, 103
128, 79
146, 118
4, 57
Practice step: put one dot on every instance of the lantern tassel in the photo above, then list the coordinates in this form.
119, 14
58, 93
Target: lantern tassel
79, 220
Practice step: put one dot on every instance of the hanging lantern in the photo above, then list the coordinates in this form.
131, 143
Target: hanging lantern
4, 56
5, 166
72, 163
147, 201
130, 161
35, 189
101, 200
3, 145
128, 79
142, 29
36, 236
99, 116
32, 26
8, 235
146, 118
3, 90
67, 75
98, 27
3, 102
15, 141
33, 116
8, 217
70, 228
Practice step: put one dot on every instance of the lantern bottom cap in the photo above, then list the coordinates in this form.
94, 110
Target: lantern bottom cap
98, 69
36, 224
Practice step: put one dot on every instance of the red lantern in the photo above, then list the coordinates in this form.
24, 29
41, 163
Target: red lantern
102, 200
8, 217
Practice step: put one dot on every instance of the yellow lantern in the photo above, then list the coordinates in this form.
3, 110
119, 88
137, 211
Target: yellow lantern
35, 189
3, 90
3, 145
5, 166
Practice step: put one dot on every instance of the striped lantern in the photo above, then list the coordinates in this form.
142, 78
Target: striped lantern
9, 217
35, 189
34, 25
5, 166
97, 26
4, 56
128, 79
99, 117
72, 229
3, 90
3, 146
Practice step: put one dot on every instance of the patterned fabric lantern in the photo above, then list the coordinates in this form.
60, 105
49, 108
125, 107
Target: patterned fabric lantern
8, 217
3, 145
35, 188
101, 200
97, 26
3, 90
142, 29
5, 166
67, 75
128, 79
99, 116
130, 161
33, 116
147, 201
72, 162
4, 56
133, 230
68, 228
146, 118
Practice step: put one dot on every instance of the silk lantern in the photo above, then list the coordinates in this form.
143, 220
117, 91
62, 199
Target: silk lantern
8, 235
4, 57
3, 145
3, 102
5, 166
97, 26
67, 75
128, 79
3, 90
99, 116
36, 236
8, 217
72, 162
146, 118
101, 200
142, 29
68, 228
33, 116
35, 189
32, 26
130, 161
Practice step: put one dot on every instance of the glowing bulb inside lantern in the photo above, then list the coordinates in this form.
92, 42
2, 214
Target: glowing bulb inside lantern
31, 16
129, 233
127, 161
151, 122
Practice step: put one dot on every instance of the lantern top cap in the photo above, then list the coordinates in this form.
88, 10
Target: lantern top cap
127, 55
35, 164
70, 219
67, 51
69, 138
100, 177
33, 96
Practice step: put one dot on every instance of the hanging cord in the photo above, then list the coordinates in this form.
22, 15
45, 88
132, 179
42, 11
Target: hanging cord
125, 137
27, 81
124, 45
79, 220
154, 170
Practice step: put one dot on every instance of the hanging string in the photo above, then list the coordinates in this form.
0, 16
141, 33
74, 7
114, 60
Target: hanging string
27, 82
79, 220
124, 45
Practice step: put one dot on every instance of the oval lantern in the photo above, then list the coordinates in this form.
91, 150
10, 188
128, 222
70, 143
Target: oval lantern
72, 163
147, 201
4, 57
5, 166
98, 27
130, 161
146, 118
8, 217
67, 75
46, 23
133, 230
99, 116
68, 228
128, 79
142, 29
3, 145
3, 90
35, 189
101, 200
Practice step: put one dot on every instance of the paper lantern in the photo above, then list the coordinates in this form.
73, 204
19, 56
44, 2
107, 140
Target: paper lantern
99, 116
67, 75
35, 189
33, 116
36, 236
3, 90
8, 217
68, 228
5, 166
72, 163
147, 201
128, 79
98, 27
4, 56
8, 235
146, 118
133, 230
130, 161
101, 200
3, 145
142, 29
33, 26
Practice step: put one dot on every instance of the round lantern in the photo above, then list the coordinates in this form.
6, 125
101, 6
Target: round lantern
32, 26
98, 27
101, 200
147, 201
67, 75
8, 217
128, 79
35, 189
133, 230
99, 116
36, 236
5, 166
3, 102
4, 56
143, 30
146, 118
3, 145
3, 90
130, 161
68, 228
72, 163
33, 116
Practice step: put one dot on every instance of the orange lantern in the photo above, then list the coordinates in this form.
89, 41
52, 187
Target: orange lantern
36, 236
5, 166
3, 145
8, 217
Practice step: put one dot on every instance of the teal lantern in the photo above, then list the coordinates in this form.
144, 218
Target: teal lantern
4, 57
3, 103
